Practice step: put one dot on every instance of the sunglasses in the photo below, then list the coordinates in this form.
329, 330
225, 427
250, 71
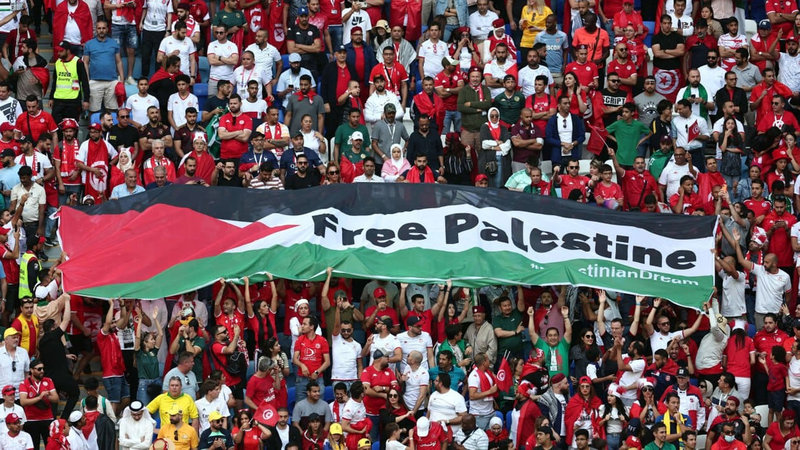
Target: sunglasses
333, 172
572, 167
565, 123
393, 396
14, 365
124, 117
644, 389
589, 336
613, 81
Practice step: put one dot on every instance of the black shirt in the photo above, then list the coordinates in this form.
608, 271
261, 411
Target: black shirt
613, 99
236, 181
208, 437
430, 145
53, 354
311, 179
215, 102
305, 37
124, 136
667, 42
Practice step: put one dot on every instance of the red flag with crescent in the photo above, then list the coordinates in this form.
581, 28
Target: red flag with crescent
504, 376
266, 414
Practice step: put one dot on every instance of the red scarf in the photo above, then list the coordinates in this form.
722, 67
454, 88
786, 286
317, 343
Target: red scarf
268, 132
432, 107
576, 406
479, 91
353, 438
309, 96
494, 129
413, 175
69, 151
162, 74
487, 380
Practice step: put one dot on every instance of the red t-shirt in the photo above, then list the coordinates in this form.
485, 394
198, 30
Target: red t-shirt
228, 322
782, 7
388, 312
34, 333
766, 102
636, 186
260, 389
427, 320
10, 266
770, 119
312, 351
290, 298
780, 243
450, 81
608, 192
739, 358
12, 145
34, 126
762, 45
231, 148
110, 355
539, 104
759, 207
375, 378
586, 73
778, 439
33, 389
764, 342
624, 70
332, 10
570, 183
221, 359
251, 440
394, 76
252, 323
690, 202
777, 376
433, 441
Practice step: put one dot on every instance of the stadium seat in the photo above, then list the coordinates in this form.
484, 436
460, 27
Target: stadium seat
750, 27
290, 399
285, 59
376, 445
763, 411
499, 415
701, 440
204, 67
95, 118
751, 330
328, 395
509, 419
131, 90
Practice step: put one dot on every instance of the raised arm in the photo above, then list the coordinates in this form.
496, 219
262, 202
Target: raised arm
248, 303
637, 314
567, 324
601, 324
532, 326
326, 302
648, 325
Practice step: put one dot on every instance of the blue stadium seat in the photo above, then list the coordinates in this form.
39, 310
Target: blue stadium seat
130, 90
204, 68
649, 38
508, 420
376, 445
201, 91
508, 29
285, 59
328, 395
290, 399
751, 330
499, 415
95, 118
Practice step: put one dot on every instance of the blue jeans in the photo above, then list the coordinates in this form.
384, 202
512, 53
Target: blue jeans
49, 222
141, 391
374, 432
125, 35
454, 118
336, 32
448, 30
613, 440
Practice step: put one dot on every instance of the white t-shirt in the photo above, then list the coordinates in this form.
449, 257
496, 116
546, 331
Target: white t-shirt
447, 406
732, 304
265, 58
41, 161
420, 343
771, 287
72, 33
10, 109
394, 445
354, 412
790, 71
433, 54
225, 71
527, 79
357, 19
259, 107
630, 377
498, 71
204, 408
178, 106
22, 441
345, 359
480, 26
731, 42
387, 345
242, 76
483, 406
185, 49
565, 130
659, 340
684, 25
794, 378
139, 105
671, 177
155, 18
413, 383
16, 409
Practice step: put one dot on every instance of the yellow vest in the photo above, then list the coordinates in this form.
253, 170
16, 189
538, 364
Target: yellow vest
24, 289
25, 335
67, 84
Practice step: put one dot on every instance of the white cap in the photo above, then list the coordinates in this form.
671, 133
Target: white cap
357, 135
75, 416
295, 57
302, 301
495, 421
41, 292
738, 324
423, 427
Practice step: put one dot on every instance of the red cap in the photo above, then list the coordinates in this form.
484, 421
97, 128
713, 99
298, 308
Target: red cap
13, 418
4, 230
379, 292
9, 389
481, 177
6, 126
478, 309
68, 123
41, 240
792, 38
475, 69
780, 154
633, 442
96, 126
354, 29
585, 380
498, 23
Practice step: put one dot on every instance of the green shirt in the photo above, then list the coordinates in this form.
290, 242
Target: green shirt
509, 107
653, 446
198, 359
512, 344
556, 359
147, 364
343, 134
520, 179
658, 160
627, 136
229, 19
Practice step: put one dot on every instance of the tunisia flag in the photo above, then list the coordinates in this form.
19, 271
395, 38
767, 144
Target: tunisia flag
504, 376
694, 131
267, 414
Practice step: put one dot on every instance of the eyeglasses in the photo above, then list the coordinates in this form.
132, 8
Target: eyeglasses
711, 57
613, 81
333, 172
565, 123
187, 380
393, 396
124, 117
572, 167
776, 103
14, 365
644, 389
219, 32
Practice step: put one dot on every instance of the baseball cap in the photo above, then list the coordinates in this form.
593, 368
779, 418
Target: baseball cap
682, 372
302, 11
377, 354
9, 389
96, 126
365, 443
335, 429
388, 322
6, 126
184, 5
215, 415
423, 427
66, 123
41, 292
413, 320
764, 24
25, 139
340, 294
13, 418
341, 48
791, 38
481, 177
378, 292
174, 410
357, 136
666, 139
448, 61
9, 331
389, 107
4, 231
7, 152
295, 57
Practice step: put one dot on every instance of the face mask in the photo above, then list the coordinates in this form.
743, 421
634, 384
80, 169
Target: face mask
729, 438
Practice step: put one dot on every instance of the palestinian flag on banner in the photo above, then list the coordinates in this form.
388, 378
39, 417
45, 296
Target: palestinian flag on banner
175, 239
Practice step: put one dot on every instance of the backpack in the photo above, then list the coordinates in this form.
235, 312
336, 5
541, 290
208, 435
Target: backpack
237, 363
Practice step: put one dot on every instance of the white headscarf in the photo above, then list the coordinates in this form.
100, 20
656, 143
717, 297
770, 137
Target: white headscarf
129, 165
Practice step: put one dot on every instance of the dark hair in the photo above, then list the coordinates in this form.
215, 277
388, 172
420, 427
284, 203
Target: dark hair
90, 403
207, 386
743, 52
368, 158
779, 353
663, 105
670, 395
444, 379
340, 387
266, 166
179, 24
32, 98
235, 96
172, 60
356, 389
451, 330
582, 432
25, 171
91, 383
313, 321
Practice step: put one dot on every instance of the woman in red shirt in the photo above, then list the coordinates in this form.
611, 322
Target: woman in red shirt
779, 432
740, 354
247, 434
577, 96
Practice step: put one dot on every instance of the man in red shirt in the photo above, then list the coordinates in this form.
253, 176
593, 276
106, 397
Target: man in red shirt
572, 180
428, 435
766, 338
757, 203
685, 201
762, 93
395, 74
33, 122
234, 130
418, 307
26, 323
221, 349
541, 103
781, 14
448, 84
778, 224
262, 386
777, 116
37, 395
585, 70
624, 67
637, 183
595, 39
311, 356
111, 360
378, 379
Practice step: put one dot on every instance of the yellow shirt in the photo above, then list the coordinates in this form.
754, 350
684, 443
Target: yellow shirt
185, 438
532, 18
164, 402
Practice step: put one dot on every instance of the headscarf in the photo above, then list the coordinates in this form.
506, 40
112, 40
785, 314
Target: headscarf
57, 428
129, 165
399, 161
494, 127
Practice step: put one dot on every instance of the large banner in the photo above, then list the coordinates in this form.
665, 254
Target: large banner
175, 239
